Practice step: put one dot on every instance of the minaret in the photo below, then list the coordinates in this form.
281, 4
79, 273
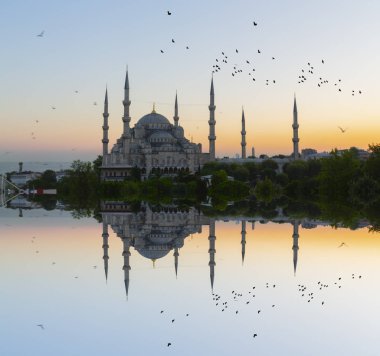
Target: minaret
176, 117
295, 130
126, 266
126, 104
295, 245
243, 143
211, 122
212, 251
105, 128
243, 233
105, 248
176, 254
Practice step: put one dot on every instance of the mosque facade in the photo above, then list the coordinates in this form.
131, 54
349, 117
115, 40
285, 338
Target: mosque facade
154, 144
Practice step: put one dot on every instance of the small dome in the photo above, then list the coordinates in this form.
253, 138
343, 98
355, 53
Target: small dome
153, 118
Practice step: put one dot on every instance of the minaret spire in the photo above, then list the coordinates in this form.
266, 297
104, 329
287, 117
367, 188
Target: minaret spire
243, 242
105, 248
176, 254
295, 245
243, 143
126, 266
105, 139
176, 117
295, 130
126, 104
212, 122
212, 251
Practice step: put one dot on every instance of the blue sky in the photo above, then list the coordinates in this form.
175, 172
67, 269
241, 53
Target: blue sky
87, 44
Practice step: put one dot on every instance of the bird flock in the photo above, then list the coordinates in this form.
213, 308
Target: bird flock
238, 302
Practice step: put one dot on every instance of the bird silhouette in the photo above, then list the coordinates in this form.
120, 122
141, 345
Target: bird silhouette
258, 51
342, 244
161, 51
343, 130
41, 34
187, 47
236, 51
254, 23
53, 107
169, 344
41, 326
173, 40
323, 62
95, 103
254, 335
169, 13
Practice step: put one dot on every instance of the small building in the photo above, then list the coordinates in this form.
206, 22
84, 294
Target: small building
21, 179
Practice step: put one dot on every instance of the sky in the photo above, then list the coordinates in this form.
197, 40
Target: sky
87, 45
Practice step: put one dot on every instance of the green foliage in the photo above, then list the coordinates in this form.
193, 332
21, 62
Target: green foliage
267, 191
48, 180
337, 174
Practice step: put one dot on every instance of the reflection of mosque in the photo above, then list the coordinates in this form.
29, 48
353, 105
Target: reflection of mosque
154, 233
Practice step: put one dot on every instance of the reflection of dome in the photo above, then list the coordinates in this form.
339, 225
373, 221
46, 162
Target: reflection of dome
153, 118
153, 253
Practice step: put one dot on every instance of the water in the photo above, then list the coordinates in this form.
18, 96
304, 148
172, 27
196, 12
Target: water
33, 166
63, 286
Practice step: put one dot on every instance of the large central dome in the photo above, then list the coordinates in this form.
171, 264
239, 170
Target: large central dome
153, 118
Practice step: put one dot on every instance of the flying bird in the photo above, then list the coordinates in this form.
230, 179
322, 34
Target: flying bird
169, 344
254, 23
41, 34
161, 51
169, 13
343, 244
41, 326
53, 107
343, 130
173, 40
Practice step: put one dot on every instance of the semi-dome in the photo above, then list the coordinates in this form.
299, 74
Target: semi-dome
161, 136
153, 254
152, 119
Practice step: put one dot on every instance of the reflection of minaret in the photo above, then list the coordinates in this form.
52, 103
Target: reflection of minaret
20, 213
176, 254
212, 251
243, 233
126, 266
105, 248
295, 245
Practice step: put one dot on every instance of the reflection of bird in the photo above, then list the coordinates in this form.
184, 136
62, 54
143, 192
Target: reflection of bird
41, 326
342, 244
41, 34
341, 129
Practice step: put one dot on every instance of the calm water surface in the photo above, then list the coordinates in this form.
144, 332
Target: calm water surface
317, 288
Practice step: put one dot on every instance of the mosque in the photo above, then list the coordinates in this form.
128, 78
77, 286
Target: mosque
154, 144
